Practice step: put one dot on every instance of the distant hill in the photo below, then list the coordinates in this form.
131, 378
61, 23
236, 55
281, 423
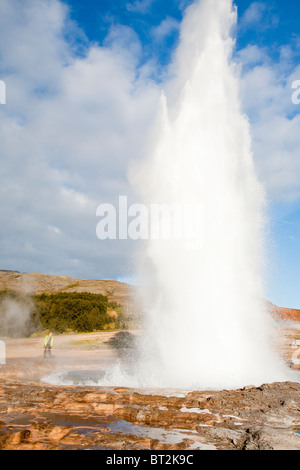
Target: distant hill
119, 292
284, 313
37, 283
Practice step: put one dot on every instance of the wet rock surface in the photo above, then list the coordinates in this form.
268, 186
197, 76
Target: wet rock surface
35, 415
40, 416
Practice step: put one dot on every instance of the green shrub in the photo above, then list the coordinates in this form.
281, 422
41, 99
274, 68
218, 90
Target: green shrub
23, 315
75, 311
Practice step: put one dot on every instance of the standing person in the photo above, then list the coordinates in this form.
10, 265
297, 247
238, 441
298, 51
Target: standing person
48, 344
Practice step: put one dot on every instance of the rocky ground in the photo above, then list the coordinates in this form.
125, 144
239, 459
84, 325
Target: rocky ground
37, 415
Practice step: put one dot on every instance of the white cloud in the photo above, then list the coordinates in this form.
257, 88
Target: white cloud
267, 100
72, 124
254, 13
140, 6
252, 55
165, 28
69, 129
182, 4
258, 15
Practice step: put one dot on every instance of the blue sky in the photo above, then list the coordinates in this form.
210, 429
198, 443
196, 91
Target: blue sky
278, 19
82, 81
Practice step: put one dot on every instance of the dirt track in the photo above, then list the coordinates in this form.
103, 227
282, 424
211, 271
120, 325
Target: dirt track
24, 357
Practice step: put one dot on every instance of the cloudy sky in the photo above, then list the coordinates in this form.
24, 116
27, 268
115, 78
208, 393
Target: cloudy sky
83, 79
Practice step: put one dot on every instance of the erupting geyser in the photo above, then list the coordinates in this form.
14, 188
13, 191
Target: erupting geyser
206, 324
